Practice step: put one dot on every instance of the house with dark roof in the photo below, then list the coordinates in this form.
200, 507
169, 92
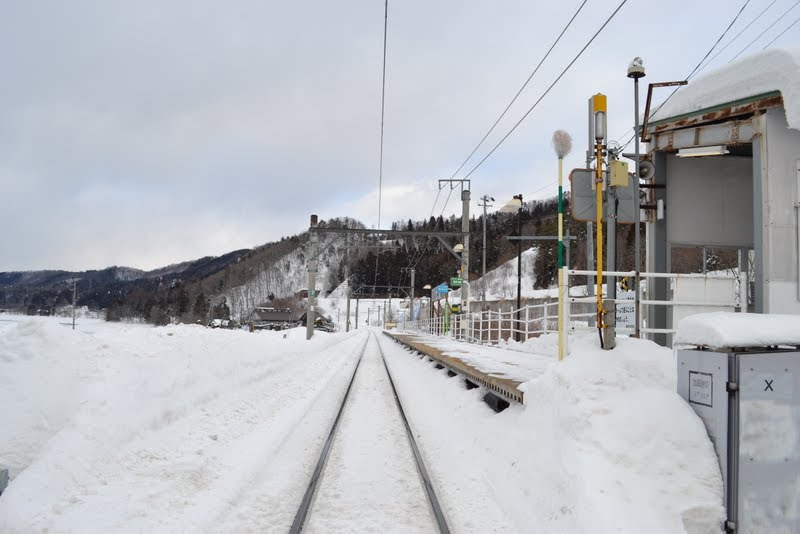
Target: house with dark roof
267, 318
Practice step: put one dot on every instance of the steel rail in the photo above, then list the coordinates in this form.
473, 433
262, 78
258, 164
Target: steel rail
305, 504
441, 521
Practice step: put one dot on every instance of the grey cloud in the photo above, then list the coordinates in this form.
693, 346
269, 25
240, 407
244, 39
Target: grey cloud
159, 132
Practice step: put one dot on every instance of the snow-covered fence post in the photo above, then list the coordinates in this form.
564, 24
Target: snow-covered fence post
527, 320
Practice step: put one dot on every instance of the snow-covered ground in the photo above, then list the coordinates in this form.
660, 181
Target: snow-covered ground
130, 428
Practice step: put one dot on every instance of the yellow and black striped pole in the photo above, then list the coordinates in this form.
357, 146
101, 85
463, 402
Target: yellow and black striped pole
599, 107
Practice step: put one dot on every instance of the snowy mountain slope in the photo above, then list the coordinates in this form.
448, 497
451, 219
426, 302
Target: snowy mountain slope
501, 283
284, 278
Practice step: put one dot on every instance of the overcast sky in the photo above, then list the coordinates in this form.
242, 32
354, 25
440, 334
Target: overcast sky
148, 133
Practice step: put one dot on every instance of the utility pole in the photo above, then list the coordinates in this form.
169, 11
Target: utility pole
412, 293
486, 199
74, 301
312, 278
347, 278
465, 253
357, 300
519, 264
590, 225
411, 270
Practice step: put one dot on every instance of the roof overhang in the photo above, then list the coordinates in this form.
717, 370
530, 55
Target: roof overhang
738, 109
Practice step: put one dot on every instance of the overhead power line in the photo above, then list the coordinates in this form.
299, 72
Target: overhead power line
715, 44
695, 69
780, 34
383, 112
503, 114
383, 107
524, 85
735, 37
563, 72
765, 31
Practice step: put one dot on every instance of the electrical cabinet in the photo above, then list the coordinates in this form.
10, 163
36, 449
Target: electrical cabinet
749, 402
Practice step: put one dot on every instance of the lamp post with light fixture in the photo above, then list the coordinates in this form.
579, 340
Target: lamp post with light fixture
486, 199
636, 71
516, 204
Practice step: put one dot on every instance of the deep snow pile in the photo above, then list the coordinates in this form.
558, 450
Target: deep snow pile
776, 69
139, 429
727, 329
603, 444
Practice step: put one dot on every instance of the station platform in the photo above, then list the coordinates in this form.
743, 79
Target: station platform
499, 370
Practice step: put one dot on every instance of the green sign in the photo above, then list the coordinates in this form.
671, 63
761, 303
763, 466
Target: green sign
456, 281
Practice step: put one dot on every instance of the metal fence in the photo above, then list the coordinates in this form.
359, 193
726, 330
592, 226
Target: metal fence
686, 294
490, 327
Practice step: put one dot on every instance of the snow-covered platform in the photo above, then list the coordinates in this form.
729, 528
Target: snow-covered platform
499, 370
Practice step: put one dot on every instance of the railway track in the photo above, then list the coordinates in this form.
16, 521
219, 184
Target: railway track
366, 469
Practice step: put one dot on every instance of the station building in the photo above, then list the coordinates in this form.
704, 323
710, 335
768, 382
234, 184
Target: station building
726, 151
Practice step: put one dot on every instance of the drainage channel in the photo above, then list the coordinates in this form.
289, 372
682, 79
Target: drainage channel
364, 471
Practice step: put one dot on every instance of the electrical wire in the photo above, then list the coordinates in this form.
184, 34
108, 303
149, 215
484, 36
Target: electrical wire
780, 34
435, 201
563, 72
383, 107
428, 242
695, 69
735, 37
383, 113
551, 184
765, 31
524, 85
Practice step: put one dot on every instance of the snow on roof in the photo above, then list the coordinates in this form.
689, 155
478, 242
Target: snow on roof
727, 329
776, 69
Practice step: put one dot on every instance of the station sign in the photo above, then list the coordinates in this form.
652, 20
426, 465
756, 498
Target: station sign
456, 281
439, 292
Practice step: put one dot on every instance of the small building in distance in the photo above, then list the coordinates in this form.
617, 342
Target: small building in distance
320, 322
267, 318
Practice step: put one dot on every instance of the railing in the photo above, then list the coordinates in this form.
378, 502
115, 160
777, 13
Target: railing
686, 294
491, 326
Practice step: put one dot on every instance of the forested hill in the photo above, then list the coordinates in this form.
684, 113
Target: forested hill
231, 285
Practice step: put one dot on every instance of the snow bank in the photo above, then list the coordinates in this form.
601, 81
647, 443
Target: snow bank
105, 429
776, 69
637, 457
726, 329
130, 428
603, 444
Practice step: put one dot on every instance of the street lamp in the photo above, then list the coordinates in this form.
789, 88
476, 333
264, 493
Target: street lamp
636, 71
486, 199
516, 204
